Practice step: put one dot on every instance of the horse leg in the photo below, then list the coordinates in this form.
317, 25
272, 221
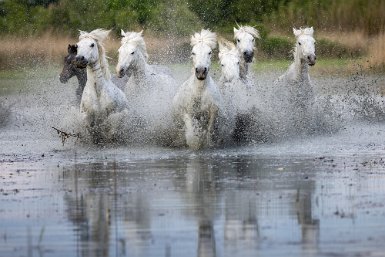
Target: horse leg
192, 133
212, 128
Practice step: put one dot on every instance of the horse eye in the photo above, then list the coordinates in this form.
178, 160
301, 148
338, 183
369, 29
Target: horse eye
299, 43
222, 65
210, 53
192, 53
92, 45
133, 52
237, 62
238, 40
252, 40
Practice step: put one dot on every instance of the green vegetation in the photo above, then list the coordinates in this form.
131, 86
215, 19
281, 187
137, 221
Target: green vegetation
361, 22
26, 17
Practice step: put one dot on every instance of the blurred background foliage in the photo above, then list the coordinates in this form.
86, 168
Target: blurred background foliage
31, 17
344, 28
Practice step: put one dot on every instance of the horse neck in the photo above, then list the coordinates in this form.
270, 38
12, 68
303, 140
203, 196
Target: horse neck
96, 76
301, 68
243, 68
140, 68
81, 75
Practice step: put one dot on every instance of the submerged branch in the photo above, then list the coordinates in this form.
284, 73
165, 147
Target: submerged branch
65, 135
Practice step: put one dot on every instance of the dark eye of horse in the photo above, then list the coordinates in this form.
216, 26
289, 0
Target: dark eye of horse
192, 53
237, 62
210, 53
133, 52
238, 40
252, 40
299, 43
92, 45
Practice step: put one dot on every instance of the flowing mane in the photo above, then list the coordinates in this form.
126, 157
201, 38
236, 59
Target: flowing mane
99, 35
227, 47
206, 37
135, 38
247, 29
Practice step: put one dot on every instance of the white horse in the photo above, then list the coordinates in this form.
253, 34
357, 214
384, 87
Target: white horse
101, 99
150, 88
243, 115
198, 103
245, 40
132, 62
294, 86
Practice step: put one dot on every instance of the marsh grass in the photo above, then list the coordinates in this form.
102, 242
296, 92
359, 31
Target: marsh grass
20, 52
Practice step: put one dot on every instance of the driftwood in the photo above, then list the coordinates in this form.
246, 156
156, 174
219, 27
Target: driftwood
65, 135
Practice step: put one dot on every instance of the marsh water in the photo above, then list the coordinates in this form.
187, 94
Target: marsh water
307, 195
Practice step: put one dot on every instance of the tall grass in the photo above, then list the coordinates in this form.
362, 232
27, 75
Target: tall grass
376, 53
332, 15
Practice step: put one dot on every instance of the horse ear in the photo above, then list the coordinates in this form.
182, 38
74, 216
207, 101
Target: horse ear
72, 49
235, 30
141, 32
309, 31
297, 32
82, 32
122, 33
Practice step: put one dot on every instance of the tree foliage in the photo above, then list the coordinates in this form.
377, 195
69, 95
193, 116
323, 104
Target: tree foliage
166, 16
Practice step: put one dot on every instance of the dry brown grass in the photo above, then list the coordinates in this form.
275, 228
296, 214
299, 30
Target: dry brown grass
376, 53
353, 40
16, 52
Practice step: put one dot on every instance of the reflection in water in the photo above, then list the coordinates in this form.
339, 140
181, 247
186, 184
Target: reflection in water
134, 210
201, 206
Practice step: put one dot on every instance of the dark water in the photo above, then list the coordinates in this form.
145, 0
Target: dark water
319, 195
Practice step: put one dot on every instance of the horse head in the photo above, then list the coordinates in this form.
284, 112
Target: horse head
203, 44
229, 60
245, 40
305, 45
132, 49
69, 68
89, 47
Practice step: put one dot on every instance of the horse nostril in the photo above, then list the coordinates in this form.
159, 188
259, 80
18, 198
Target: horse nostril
308, 58
205, 69
315, 57
196, 70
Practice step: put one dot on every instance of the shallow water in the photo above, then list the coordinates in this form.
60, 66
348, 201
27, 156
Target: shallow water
320, 195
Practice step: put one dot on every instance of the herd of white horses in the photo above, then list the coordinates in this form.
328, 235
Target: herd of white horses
201, 112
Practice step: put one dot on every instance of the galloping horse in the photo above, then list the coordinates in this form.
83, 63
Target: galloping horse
101, 99
198, 103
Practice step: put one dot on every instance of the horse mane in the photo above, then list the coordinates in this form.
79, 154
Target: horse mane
246, 29
227, 47
136, 39
99, 35
206, 37
305, 31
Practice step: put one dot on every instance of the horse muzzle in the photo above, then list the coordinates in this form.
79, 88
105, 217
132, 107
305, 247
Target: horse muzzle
248, 56
80, 62
201, 73
64, 78
121, 72
311, 59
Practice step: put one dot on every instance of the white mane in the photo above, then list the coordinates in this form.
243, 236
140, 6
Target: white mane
99, 35
136, 39
305, 31
246, 29
227, 48
206, 37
